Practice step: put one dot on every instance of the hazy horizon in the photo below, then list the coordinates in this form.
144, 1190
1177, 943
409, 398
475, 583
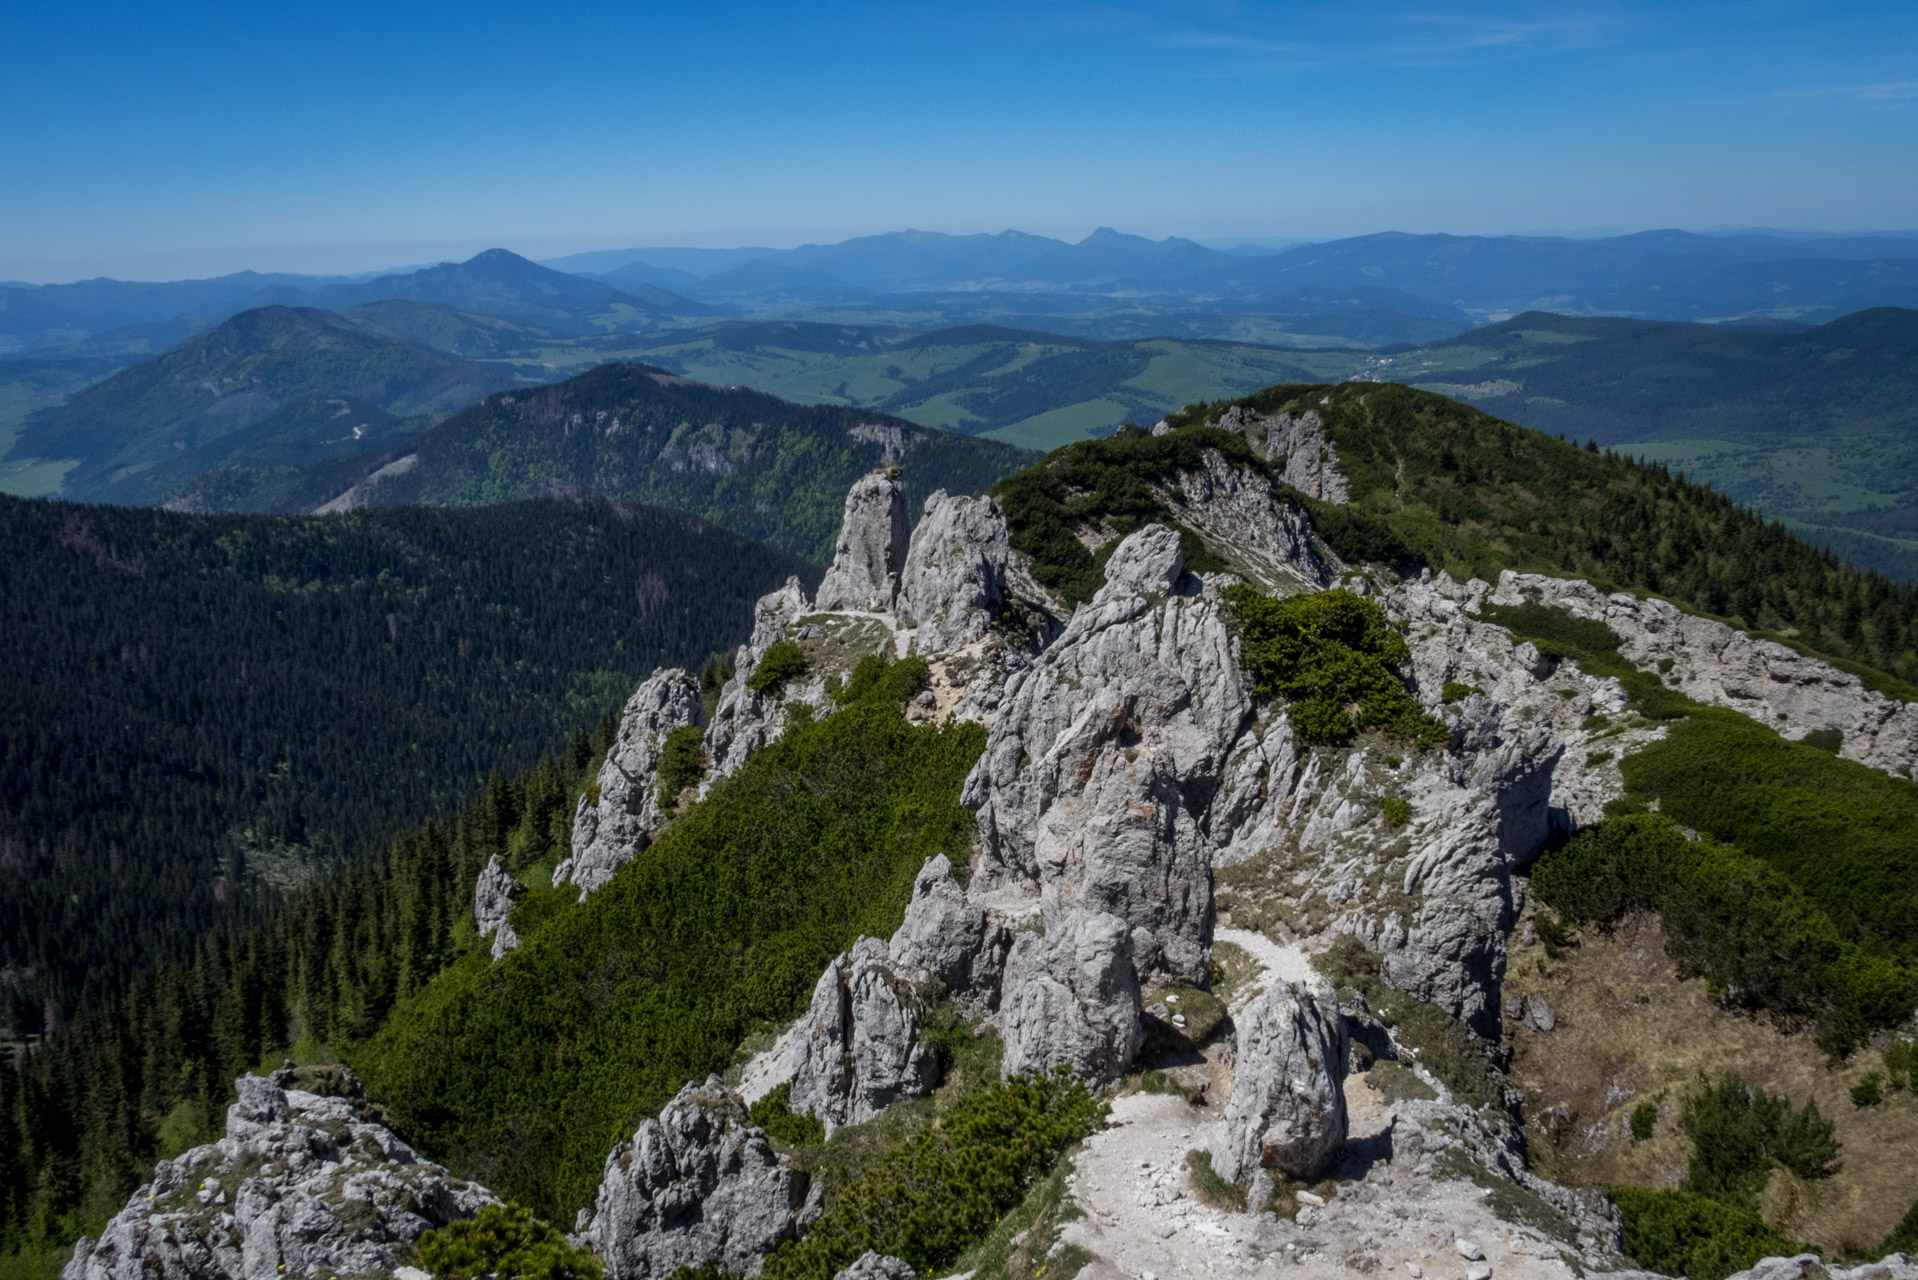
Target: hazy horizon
552, 252
147, 141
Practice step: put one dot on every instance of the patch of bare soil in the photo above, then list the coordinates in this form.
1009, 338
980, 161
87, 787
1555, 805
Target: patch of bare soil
1628, 1030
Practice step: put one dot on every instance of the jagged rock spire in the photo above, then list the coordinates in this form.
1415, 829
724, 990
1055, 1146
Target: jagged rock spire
871, 552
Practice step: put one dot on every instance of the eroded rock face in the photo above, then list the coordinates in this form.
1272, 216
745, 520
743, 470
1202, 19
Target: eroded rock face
1809, 1266
493, 898
607, 835
871, 551
697, 1184
1311, 463
1720, 665
948, 937
1240, 516
858, 1049
744, 721
955, 571
302, 1185
1287, 1110
1071, 998
1098, 776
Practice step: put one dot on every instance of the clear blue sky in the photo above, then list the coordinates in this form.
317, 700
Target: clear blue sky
159, 141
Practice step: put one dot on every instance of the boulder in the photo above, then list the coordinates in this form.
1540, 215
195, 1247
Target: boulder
607, 835
1071, 998
877, 1266
1287, 1110
955, 571
697, 1184
858, 1051
946, 936
1809, 1266
493, 897
871, 550
304, 1184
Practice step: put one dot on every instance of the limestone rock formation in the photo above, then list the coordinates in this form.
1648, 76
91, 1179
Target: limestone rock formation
871, 551
1287, 1110
878, 1266
1098, 775
1724, 667
493, 898
948, 937
858, 1048
1265, 536
696, 1184
955, 571
1808, 1266
302, 1185
608, 834
1071, 998
744, 721
1311, 463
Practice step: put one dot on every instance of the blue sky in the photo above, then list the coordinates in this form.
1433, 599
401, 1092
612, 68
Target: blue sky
154, 142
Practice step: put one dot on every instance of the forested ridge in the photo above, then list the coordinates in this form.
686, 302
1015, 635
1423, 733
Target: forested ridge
756, 464
1438, 483
204, 712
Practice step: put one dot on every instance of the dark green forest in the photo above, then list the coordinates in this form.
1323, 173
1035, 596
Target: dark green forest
149, 1073
760, 466
203, 713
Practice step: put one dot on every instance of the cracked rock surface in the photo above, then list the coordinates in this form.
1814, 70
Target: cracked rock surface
493, 896
608, 834
857, 1049
304, 1184
697, 1184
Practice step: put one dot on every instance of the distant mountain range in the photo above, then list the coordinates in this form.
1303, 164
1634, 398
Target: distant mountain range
1363, 291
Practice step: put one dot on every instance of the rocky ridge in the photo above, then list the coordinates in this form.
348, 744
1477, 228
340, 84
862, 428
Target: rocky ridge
1128, 770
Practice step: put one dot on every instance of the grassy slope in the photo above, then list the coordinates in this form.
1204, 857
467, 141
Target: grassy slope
525, 1073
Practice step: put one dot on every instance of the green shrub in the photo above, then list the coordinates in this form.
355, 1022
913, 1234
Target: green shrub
781, 662
681, 763
1730, 918
1113, 485
1845, 833
1333, 656
1681, 1233
506, 1241
1456, 691
1740, 1133
1903, 1238
949, 1184
1870, 1091
774, 1114
1644, 1121
1825, 740
1901, 1065
1397, 811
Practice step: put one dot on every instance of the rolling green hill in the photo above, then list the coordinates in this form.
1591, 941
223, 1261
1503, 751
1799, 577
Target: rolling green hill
231, 377
1033, 390
760, 466
221, 708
